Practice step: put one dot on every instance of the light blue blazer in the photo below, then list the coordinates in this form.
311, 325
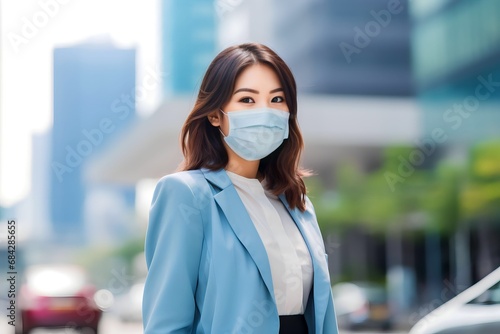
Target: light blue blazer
208, 268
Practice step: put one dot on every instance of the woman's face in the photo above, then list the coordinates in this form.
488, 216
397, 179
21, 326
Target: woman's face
257, 86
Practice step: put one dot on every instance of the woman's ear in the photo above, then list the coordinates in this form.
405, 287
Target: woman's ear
214, 118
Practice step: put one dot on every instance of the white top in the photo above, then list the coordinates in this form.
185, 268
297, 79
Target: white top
289, 258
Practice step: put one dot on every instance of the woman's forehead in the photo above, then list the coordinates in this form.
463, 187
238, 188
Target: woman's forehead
258, 76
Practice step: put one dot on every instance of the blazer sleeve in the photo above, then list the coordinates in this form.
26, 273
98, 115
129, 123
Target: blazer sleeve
173, 246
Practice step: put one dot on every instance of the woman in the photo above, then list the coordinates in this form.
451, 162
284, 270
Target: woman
233, 245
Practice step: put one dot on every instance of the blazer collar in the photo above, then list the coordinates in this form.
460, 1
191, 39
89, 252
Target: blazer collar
321, 278
218, 178
234, 210
232, 206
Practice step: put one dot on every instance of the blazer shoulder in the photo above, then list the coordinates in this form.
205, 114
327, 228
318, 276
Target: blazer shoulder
190, 178
183, 185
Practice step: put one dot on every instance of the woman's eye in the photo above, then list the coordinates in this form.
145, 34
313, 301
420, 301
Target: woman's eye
247, 100
278, 99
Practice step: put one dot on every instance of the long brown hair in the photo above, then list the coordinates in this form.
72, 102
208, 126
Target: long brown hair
202, 144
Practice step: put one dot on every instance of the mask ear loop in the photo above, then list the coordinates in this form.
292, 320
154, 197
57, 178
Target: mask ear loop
222, 133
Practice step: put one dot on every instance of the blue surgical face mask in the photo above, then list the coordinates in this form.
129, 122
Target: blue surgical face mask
256, 133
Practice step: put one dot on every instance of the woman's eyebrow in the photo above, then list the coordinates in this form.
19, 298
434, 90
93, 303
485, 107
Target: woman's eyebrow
256, 91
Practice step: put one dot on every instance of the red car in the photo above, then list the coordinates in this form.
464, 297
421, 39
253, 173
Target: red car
57, 297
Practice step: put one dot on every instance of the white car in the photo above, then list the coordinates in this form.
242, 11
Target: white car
475, 310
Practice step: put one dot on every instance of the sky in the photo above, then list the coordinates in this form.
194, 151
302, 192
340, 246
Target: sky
29, 32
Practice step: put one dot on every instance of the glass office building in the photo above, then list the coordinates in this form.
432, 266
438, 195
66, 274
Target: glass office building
359, 47
94, 99
188, 43
456, 62
456, 55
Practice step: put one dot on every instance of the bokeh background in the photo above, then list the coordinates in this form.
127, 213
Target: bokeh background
399, 104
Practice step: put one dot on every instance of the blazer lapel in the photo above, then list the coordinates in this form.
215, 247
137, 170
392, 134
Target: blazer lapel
321, 281
241, 223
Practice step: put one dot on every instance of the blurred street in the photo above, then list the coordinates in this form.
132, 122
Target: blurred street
112, 325
368, 332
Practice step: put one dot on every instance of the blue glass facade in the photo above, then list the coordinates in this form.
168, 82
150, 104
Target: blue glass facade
94, 89
358, 47
188, 43
456, 55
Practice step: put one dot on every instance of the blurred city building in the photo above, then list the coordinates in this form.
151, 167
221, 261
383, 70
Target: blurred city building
457, 68
94, 100
456, 57
357, 47
36, 218
188, 43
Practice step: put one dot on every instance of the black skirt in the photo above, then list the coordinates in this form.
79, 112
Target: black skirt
293, 324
